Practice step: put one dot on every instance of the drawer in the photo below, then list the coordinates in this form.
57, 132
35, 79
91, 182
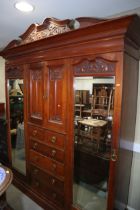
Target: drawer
36, 133
47, 191
48, 151
55, 139
47, 179
46, 163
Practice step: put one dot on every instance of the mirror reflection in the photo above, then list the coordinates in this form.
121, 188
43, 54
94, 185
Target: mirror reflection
94, 102
16, 104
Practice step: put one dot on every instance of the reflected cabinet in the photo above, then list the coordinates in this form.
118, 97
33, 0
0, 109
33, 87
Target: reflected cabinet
71, 98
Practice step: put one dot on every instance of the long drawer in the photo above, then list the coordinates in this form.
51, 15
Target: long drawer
46, 163
55, 184
46, 150
42, 188
54, 139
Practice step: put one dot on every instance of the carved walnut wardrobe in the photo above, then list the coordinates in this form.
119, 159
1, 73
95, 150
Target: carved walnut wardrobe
64, 139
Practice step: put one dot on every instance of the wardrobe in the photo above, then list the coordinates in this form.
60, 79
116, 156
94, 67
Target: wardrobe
61, 160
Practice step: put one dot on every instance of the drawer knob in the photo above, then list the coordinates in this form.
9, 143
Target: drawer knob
53, 181
53, 139
53, 152
34, 132
35, 145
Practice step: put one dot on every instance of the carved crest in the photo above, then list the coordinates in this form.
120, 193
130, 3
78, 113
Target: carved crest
99, 65
50, 27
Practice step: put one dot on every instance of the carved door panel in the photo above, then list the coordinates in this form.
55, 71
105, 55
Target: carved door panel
36, 93
57, 95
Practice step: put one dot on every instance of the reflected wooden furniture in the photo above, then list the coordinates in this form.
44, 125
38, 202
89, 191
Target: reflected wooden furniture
93, 129
102, 100
79, 109
48, 57
83, 172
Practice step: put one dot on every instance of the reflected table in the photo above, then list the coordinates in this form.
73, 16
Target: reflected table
92, 129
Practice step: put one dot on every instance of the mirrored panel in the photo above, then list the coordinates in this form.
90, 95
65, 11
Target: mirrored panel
94, 102
16, 107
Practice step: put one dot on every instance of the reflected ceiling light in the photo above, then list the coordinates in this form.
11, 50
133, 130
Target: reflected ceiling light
24, 6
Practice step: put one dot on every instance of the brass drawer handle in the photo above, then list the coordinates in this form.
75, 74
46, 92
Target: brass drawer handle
53, 181
35, 145
53, 153
114, 155
53, 139
34, 132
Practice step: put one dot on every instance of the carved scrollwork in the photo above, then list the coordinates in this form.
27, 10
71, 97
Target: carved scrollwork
14, 72
52, 30
36, 75
97, 66
50, 27
56, 73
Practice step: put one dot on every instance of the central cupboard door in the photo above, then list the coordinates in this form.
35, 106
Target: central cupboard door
47, 94
56, 95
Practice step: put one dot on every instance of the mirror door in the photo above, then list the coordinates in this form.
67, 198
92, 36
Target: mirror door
16, 115
94, 101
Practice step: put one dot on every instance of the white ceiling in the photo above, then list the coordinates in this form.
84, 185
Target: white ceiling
13, 23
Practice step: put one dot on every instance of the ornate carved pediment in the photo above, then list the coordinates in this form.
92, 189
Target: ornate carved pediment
50, 27
99, 65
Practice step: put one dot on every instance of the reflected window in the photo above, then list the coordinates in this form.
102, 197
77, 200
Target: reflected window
16, 106
94, 102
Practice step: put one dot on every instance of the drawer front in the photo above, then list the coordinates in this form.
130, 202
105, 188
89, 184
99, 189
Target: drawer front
48, 151
48, 180
47, 191
46, 163
36, 133
55, 139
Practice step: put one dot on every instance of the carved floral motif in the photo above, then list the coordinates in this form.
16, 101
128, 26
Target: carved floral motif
36, 75
51, 30
56, 74
99, 65
14, 72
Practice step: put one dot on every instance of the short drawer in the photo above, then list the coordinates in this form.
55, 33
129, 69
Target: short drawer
55, 139
35, 132
47, 179
48, 151
46, 163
